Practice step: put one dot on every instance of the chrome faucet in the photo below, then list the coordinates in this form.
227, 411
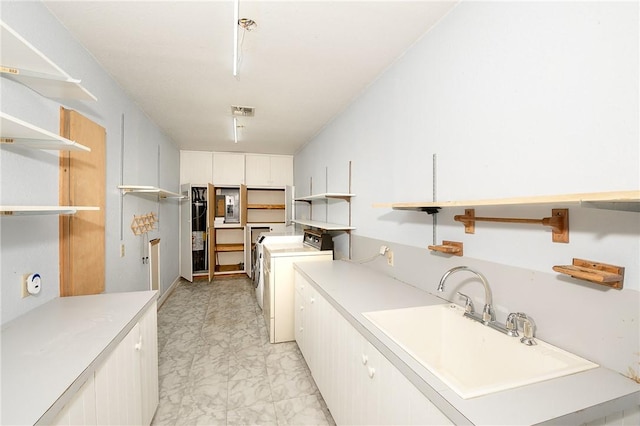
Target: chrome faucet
488, 314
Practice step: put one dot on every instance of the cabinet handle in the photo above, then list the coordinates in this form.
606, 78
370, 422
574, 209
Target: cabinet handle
365, 359
138, 345
302, 308
372, 372
312, 300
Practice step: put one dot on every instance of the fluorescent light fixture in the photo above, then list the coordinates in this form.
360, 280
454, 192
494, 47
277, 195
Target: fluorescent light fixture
236, 16
235, 130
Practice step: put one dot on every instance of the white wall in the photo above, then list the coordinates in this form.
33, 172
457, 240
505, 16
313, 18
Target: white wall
30, 244
515, 99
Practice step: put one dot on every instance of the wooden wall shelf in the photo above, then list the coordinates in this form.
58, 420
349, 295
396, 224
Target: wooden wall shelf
559, 222
616, 200
448, 247
595, 272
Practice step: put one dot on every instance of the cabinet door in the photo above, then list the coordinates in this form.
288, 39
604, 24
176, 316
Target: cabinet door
117, 383
186, 237
228, 168
149, 363
268, 170
257, 169
281, 170
196, 167
81, 410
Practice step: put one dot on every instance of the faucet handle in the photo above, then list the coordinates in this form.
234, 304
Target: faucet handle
528, 328
468, 304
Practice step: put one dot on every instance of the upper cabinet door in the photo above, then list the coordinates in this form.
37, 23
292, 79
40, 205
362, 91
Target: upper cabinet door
228, 168
196, 167
269, 170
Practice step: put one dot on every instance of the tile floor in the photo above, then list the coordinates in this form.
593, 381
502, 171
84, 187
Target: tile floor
217, 367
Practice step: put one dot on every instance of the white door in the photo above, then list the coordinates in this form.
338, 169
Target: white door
186, 254
289, 204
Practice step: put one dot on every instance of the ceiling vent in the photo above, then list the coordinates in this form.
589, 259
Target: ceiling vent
242, 111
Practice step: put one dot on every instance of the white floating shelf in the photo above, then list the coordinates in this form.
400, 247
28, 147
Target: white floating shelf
16, 132
324, 225
43, 210
22, 62
340, 195
141, 189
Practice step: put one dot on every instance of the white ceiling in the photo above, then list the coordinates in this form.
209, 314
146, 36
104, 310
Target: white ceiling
302, 65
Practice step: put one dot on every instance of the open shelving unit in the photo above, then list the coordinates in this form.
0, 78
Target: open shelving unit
324, 225
22, 62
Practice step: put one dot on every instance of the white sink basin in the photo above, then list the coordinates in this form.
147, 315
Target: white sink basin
469, 357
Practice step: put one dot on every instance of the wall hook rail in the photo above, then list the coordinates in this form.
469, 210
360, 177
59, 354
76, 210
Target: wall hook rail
559, 222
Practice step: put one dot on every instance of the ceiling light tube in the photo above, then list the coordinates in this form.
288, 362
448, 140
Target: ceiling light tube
236, 16
235, 130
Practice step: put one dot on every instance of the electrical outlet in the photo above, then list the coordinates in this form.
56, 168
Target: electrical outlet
121, 250
389, 255
24, 291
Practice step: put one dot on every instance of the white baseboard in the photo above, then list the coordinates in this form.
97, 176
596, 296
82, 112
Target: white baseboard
167, 293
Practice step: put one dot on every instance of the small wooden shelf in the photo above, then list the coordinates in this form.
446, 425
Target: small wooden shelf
266, 206
326, 195
448, 247
617, 200
324, 225
43, 210
17, 132
595, 272
141, 189
229, 247
22, 62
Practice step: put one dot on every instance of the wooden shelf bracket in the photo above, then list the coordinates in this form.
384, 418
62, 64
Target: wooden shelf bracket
449, 247
559, 222
595, 272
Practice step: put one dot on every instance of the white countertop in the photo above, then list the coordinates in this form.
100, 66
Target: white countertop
353, 289
49, 350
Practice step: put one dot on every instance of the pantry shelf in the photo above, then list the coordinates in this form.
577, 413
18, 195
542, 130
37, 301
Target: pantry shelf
595, 272
43, 210
16, 132
23, 63
229, 247
266, 206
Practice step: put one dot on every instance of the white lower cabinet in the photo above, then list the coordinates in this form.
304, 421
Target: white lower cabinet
359, 385
124, 389
81, 410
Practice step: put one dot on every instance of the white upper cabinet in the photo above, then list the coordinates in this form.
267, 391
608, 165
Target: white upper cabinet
196, 167
228, 168
269, 170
